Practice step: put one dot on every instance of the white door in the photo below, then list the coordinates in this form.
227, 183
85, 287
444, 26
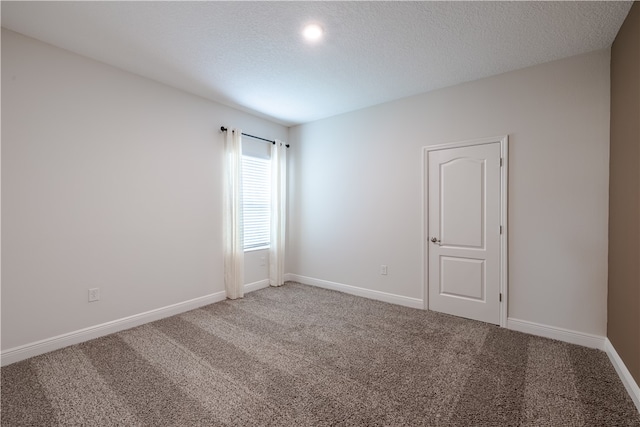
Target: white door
464, 212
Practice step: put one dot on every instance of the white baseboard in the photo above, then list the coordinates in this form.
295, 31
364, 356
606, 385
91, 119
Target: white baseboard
260, 284
26, 351
361, 292
624, 374
560, 334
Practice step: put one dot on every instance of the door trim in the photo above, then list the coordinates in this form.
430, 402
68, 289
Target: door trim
504, 241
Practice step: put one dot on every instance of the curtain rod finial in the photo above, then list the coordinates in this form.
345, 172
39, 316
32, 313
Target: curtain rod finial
223, 129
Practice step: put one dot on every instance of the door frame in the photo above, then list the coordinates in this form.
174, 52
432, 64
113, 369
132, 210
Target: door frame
504, 241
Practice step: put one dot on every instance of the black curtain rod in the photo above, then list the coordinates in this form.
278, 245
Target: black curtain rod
224, 129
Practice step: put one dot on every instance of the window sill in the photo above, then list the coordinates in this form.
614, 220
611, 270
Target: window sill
259, 248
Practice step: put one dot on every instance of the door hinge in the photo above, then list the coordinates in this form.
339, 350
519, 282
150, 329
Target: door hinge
500, 229
500, 296
501, 162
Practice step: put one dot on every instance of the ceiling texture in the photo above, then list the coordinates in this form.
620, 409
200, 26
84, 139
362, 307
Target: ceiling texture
251, 55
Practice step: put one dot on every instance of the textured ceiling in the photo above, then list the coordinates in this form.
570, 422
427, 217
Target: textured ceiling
250, 55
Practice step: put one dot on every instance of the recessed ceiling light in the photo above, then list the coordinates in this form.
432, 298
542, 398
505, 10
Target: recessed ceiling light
312, 32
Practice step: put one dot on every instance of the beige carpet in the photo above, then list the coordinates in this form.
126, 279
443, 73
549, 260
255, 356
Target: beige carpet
304, 356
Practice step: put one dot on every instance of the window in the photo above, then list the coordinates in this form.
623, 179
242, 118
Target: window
256, 194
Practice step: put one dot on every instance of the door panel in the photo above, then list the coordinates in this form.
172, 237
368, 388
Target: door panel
462, 203
464, 231
462, 278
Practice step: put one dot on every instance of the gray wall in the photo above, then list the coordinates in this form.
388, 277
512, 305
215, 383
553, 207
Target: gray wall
109, 180
356, 188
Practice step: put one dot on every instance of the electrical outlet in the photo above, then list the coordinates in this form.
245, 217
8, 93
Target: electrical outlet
383, 270
94, 294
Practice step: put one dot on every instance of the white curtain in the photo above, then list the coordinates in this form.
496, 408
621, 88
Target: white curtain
233, 230
278, 213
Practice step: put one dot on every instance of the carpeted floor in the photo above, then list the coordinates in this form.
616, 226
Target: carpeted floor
304, 356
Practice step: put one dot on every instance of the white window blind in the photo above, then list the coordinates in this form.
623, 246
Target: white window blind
256, 194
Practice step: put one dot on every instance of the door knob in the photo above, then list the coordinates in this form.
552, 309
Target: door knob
435, 240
